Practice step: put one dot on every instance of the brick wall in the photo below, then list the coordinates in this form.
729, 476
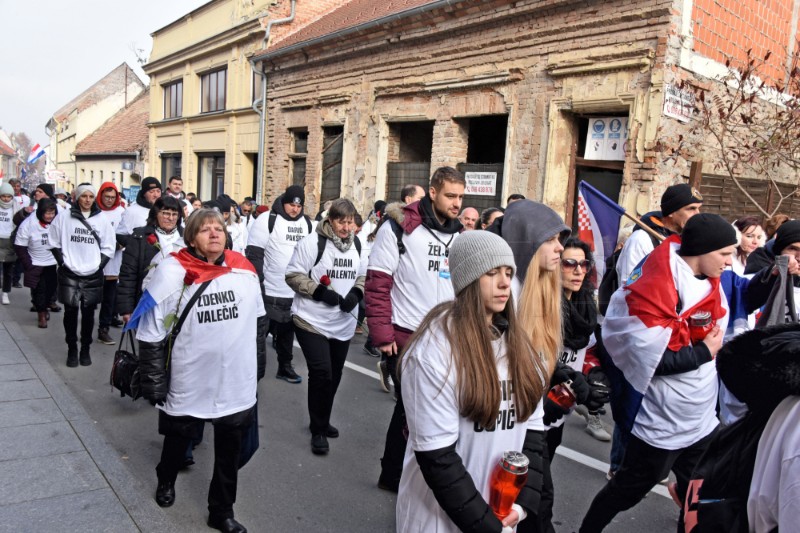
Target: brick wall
725, 30
392, 76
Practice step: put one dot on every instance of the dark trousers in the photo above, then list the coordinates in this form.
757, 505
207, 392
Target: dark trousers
642, 468
394, 451
283, 334
179, 431
108, 303
71, 324
17, 270
45, 289
325, 359
8, 273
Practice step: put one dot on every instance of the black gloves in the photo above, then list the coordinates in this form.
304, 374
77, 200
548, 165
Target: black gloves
350, 301
154, 402
599, 389
58, 256
579, 385
552, 411
327, 296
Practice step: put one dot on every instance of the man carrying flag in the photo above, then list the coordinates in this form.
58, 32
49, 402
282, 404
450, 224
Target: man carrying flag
662, 332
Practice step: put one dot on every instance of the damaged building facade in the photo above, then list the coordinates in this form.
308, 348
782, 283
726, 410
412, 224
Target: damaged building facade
528, 96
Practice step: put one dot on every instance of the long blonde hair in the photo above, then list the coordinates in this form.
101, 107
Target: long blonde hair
540, 309
470, 340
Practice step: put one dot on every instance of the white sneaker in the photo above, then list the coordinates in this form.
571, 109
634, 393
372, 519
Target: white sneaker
6, 301
594, 427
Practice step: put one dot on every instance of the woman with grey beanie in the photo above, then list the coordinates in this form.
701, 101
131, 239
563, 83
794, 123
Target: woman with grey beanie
471, 383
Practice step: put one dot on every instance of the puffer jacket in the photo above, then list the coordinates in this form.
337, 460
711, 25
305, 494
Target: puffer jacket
135, 260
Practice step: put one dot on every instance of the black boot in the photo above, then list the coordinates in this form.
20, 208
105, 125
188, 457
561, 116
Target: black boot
72, 355
86, 359
286, 372
165, 493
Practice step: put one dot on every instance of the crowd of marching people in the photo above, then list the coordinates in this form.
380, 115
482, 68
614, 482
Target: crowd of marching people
489, 327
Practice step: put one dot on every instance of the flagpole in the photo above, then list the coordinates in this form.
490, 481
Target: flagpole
645, 227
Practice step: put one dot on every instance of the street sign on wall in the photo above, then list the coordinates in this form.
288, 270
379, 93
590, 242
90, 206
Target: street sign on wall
481, 183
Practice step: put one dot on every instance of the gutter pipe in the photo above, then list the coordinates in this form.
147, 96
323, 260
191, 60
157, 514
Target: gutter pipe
262, 101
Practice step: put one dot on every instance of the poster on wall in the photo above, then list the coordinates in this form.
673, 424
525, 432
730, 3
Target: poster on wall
678, 103
607, 138
481, 183
596, 139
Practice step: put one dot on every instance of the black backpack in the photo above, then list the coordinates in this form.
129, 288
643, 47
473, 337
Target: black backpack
716, 500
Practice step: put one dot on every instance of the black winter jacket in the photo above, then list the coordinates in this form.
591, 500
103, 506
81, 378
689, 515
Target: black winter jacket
135, 260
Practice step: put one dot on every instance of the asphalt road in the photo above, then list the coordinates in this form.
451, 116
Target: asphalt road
287, 488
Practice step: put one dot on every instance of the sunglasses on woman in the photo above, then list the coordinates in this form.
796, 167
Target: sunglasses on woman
574, 264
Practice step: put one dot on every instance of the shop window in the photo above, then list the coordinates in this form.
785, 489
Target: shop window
171, 166
211, 178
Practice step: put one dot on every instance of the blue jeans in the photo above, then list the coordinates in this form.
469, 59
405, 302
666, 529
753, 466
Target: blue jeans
618, 444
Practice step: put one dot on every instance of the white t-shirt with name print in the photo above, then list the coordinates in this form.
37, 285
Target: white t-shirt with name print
343, 269
36, 238
421, 275
213, 364
278, 249
431, 401
680, 409
78, 245
114, 217
134, 216
6, 222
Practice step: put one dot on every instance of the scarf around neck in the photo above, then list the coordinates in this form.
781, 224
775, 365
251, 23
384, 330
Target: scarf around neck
579, 319
429, 218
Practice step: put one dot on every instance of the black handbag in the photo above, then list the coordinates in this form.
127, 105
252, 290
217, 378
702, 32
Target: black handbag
125, 370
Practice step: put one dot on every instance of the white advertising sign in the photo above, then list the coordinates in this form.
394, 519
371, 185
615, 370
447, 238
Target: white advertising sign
481, 183
678, 103
596, 139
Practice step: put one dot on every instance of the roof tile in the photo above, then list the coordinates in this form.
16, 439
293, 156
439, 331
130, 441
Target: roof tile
124, 133
351, 14
111, 83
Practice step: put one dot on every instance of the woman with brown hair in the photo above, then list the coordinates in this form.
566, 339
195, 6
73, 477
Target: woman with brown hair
471, 384
752, 237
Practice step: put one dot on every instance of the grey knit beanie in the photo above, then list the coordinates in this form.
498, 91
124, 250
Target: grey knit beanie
85, 187
473, 254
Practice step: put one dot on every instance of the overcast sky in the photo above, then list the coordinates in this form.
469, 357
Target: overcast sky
52, 50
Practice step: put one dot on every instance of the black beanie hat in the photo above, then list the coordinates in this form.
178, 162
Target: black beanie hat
788, 233
294, 195
150, 183
47, 189
678, 196
706, 233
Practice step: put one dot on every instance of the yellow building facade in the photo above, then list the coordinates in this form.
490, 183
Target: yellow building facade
202, 124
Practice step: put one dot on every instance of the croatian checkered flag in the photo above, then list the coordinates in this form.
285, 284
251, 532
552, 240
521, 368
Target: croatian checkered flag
598, 223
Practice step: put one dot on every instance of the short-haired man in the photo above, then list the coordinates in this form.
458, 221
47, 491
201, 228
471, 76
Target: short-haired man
175, 188
469, 217
247, 208
20, 200
403, 284
514, 197
411, 193
270, 246
679, 203
662, 330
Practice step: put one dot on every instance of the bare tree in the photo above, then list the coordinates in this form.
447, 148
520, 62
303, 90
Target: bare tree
751, 125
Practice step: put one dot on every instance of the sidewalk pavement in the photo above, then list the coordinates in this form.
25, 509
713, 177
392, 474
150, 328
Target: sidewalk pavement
58, 472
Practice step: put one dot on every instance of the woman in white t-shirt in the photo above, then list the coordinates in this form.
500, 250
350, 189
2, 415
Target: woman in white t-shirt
471, 384
327, 272
7, 255
32, 245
